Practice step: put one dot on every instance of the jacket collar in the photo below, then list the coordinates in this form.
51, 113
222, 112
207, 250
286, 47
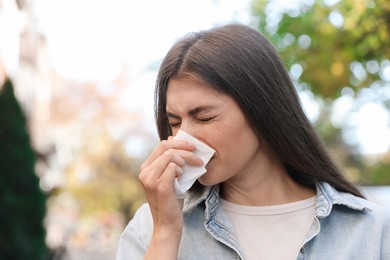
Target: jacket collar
326, 198
195, 197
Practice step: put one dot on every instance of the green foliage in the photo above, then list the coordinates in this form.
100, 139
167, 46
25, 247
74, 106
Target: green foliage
329, 42
325, 50
22, 203
379, 173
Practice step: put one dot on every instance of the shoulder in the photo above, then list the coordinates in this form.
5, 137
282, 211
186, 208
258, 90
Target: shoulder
142, 216
378, 200
360, 212
374, 209
377, 212
136, 236
379, 224
142, 223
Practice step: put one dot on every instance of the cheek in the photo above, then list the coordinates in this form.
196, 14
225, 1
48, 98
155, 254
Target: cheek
238, 141
227, 141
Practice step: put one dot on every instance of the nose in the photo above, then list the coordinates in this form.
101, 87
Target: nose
189, 128
195, 131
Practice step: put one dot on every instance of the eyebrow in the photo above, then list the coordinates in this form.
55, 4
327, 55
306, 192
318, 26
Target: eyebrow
193, 112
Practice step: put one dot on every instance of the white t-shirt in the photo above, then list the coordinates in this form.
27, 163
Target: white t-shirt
271, 232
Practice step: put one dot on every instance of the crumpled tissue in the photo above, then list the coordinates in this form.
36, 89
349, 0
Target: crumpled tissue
192, 173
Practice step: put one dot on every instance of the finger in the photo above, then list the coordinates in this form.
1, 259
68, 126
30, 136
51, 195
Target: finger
179, 171
188, 156
154, 171
169, 175
166, 145
166, 181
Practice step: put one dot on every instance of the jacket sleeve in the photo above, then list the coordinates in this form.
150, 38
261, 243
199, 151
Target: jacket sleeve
385, 247
136, 236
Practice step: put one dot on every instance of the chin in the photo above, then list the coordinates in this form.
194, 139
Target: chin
205, 181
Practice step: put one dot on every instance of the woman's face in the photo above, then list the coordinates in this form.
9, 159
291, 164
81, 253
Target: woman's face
214, 118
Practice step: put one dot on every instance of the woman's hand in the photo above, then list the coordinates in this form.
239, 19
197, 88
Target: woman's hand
157, 176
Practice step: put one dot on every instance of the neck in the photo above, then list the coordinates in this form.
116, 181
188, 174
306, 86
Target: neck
264, 189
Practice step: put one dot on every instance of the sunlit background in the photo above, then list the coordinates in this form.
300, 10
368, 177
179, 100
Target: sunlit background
84, 72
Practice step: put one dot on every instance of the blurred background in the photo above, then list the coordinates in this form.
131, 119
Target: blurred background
76, 104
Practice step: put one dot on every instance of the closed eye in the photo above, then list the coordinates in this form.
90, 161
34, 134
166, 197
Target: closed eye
173, 120
206, 119
174, 124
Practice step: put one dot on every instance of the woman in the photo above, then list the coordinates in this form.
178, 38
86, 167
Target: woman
271, 191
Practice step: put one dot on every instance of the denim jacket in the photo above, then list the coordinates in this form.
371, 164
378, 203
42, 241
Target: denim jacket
344, 227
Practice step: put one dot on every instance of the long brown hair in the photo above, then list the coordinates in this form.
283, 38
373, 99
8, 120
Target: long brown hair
242, 63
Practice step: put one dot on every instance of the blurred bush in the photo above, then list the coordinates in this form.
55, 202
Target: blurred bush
22, 203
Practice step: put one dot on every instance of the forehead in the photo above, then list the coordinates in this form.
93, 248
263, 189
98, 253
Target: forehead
192, 92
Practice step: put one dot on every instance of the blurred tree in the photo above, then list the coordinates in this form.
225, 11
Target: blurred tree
378, 173
334, 45
22, 203
329, 45
99, 172
103, 177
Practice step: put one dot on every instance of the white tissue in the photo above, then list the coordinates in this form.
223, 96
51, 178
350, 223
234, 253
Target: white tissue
192, 173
